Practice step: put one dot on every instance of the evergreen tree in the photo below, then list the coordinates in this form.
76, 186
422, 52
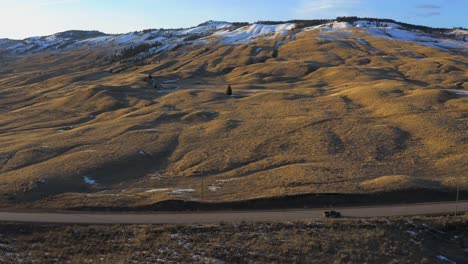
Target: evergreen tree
275, 53
229, 90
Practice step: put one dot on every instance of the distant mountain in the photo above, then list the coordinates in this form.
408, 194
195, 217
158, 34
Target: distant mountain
159, 40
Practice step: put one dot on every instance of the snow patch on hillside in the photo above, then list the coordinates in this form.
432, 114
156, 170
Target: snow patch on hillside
223, 33
207, 27
89, 180
182, 191
397, 32
329, 27
157, 190
391, 31
162, 48
331, 31
98, 40
251, 32
125, 38
416, 37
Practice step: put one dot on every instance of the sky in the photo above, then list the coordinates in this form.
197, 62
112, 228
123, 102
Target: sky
26, 18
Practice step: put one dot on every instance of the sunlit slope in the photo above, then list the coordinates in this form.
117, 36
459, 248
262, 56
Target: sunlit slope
320, 113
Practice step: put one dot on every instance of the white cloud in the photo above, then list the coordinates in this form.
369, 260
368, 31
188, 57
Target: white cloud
311, 9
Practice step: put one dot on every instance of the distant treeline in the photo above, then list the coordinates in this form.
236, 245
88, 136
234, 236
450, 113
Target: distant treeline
132, 51
426, 29
299, 23
78, 34
353, 19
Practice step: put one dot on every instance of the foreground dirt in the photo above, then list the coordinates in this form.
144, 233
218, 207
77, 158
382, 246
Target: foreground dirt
392, 240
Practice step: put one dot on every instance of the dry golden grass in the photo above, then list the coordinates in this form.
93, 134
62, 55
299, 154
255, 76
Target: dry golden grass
391, 240
396, 182
324, 116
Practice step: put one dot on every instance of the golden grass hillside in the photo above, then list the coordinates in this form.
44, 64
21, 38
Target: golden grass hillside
321, 116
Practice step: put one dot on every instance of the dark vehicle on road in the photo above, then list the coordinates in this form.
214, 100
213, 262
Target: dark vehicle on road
331, 214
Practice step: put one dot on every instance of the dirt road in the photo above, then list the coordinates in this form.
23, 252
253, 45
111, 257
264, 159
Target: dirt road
227, 216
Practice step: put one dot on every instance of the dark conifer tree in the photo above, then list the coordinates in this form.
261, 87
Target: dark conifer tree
229, 90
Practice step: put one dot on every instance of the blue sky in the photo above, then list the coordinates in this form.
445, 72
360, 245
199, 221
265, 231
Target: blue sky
25, 18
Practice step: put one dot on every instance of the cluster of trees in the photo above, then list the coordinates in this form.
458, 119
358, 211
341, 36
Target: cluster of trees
299, 23
234, 24
229, 90
275, 53
352, 19
177, 46
381, 22
240, 24
80, 34
194, 37
132, 51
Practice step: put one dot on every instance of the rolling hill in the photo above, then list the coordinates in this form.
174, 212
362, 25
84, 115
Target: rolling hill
335, 106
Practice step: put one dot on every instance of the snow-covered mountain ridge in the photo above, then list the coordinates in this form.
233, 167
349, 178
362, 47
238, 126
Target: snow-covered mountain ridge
232, 33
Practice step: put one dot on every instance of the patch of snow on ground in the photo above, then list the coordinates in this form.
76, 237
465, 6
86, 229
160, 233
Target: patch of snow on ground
411, 232
227, 180
213, 188
445, 259
89, 180
459, 34
258, 90
420, 38
251, 32
51, 38
329, 27
331, 31
156, 39
16, 46
182, 191
316, 27
340, 25
363, 42
457, 92
123, 39
97, 40
157, 190
212, 25
161, 48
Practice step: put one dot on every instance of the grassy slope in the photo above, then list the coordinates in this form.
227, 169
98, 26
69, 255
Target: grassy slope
324, 116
